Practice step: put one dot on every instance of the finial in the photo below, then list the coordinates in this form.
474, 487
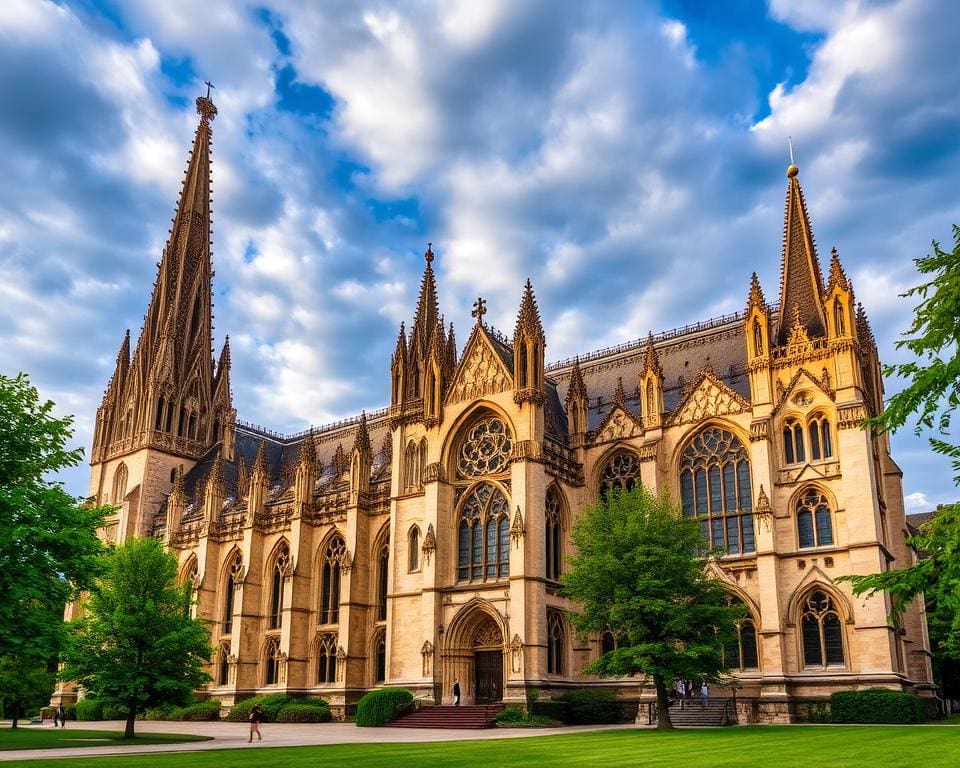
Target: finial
428, 256
205, 106
792, 169
479, 309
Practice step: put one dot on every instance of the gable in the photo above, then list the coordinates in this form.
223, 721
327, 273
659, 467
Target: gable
617, 425
481, 371
802, 380
710, 397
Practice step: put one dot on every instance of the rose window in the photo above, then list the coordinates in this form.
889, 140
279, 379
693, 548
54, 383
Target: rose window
486, 449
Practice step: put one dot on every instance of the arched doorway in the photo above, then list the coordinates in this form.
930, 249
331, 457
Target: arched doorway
487, 663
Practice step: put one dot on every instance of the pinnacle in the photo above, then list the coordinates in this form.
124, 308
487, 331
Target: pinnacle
619, 396
224, 363
577, 388
528, 318
308, 450
651, 361
361, 442
216, 480
756, 297
400, 353
260, 467
340, 463
838, 278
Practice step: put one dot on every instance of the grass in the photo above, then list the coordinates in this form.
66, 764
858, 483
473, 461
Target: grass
781, 746
54, 738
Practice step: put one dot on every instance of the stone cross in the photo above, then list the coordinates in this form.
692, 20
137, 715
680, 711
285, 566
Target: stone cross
479, 310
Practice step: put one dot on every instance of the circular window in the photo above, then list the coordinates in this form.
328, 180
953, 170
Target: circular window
485, 449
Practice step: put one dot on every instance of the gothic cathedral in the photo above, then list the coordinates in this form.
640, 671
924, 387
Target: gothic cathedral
424, 542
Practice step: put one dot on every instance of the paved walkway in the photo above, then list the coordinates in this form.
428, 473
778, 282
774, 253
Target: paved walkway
234, 736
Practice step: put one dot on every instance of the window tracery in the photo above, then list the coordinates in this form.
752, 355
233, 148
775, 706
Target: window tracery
821, 444
327, 659
380, 656
793, 442
271, 658
822, 632
485, 449
484, 535
281, 566
234, 578
555, 644
383, 574
330, 580
715, 487
814, 520
554, 534
621, 472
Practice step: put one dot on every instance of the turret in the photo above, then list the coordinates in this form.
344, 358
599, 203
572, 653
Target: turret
756, 325
361, 461
651, 388
577, 406
306, 473
214, 492
259, 485
529, 343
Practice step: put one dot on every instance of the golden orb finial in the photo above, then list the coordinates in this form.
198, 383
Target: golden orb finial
792, 171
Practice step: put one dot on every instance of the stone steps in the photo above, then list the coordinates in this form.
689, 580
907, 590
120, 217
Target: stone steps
714, 714
449, 717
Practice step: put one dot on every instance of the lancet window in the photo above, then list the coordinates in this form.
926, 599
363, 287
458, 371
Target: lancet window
383, 573
715, 488
814, 520
380, 656
271, 660
822, 632
330, 580
553, 513
326, 659
413, 550
483, 535
278, 580
234, 577
555, 644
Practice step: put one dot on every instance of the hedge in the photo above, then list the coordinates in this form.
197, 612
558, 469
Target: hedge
586, 706
555, 709
91, 709
510, 715
305, 711
270, 704
203, 710
877, 705
381, 706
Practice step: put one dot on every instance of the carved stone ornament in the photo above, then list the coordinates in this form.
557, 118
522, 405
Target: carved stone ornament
516, 654
341, 663
762, 509
483, 373
617, 426
516, 530
429, 545
488, 634
851, 416
758, 430
433, 472
346, 561
427, 653
711, 397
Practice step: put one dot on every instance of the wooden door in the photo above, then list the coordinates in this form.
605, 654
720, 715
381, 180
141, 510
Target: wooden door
488, 676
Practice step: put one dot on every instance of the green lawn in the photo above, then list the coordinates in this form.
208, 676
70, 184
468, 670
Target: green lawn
768, 746
53, 738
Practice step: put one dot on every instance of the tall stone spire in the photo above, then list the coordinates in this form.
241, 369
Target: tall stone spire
801, 282
427, 314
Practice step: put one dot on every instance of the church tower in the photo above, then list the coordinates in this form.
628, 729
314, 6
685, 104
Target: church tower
165, 408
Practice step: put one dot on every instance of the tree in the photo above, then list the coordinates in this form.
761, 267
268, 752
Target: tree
137, 645
26, 683
48, 542
932, 395
638, 573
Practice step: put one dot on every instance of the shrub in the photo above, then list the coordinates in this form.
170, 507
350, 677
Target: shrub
305, 711
89, 709
46, 713
71, 711
381, 706
271, 705
877, 705
111, 712
591, 705
510, 715
555, 709
819, 712
163, 712
204, 710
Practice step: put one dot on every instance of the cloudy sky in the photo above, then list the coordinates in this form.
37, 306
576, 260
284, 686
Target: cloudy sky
628, 157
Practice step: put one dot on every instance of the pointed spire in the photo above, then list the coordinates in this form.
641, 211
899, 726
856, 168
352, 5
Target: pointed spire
838, 278
577, 388
801, 281
425, 319
340, 461
308, 451
864, 331
386, 446
756, 297
528, 318
117, 381
224, 363
651, 360
619, 396
451, 358
216, 482
243, 478
400, 353
260, 467
361, 441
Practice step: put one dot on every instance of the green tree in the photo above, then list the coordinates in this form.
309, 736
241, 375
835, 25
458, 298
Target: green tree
136, 645
48, 542
931, 395
637, 572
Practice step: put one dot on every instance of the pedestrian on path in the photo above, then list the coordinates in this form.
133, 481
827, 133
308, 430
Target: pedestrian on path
704, 694
61, 715
681, 688
456, 692
256, 717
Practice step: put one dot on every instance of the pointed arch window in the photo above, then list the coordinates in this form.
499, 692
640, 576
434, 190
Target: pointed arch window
326, 659
383, 575
621, 472
380, 657
608, 642
839, 317
413, 550
793, 452
271, 660
234, 578
422, 461
814, 520
822, 632
411, 473
554, 534
330, 580
555, 643
483, 535
821, 443
715, 488
223, 665
757, 337
120, 483
281, 566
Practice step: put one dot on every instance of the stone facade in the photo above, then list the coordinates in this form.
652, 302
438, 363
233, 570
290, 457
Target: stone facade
422, 543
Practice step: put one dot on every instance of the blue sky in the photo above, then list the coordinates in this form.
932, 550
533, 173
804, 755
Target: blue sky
628, 157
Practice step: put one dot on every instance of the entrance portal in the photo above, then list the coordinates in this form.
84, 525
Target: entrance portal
488, 676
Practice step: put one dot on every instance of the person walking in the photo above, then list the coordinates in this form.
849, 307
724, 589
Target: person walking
704, 694
256, 717
681, 688
456, 692
61, 715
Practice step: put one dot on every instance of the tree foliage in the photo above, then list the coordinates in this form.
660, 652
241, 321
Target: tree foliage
931, 396
137, 645
638, 573
48, 543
